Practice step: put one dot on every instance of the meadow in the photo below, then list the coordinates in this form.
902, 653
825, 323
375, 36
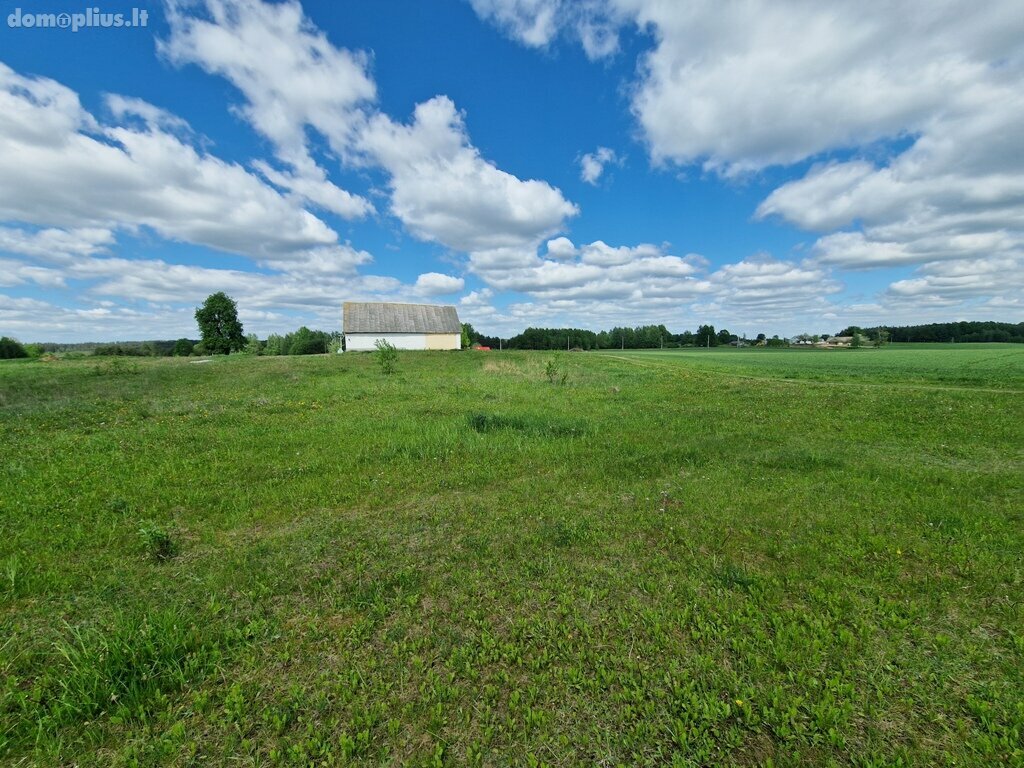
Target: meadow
679, 558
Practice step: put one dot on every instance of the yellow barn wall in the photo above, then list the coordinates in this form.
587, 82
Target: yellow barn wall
444, 340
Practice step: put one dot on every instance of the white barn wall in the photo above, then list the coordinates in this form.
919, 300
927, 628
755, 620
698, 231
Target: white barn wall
366, 342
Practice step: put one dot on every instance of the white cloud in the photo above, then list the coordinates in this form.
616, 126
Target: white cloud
955, 195
536, 23
592, 164
1002, 277
436, 284
55, 244
118, 176
768, 288
445, 192
13, 272
604, 255
561, 249
738, 95
294, 79
806, 78
945, 79
595, 270
291, 77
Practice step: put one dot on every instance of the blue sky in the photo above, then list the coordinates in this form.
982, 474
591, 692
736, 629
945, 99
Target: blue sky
762, 166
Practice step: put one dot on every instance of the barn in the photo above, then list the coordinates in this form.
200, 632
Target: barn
405, 326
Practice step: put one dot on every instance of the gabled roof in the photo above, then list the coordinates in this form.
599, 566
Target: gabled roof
380, 317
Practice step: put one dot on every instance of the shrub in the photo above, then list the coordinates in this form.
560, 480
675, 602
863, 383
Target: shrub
158, 541
11, 348
554, 374
307, 342
387, 356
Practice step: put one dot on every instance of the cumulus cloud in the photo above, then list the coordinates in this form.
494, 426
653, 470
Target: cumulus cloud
536, 23
118, 176
444, 191
769, 288
944, 80
295, 79
561, 248
291, 77
955, 195
55, 244
593, 271
592, 164
437, 284
804, 79
965, 279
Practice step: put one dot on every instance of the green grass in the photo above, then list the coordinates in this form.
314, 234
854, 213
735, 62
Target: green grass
683, 558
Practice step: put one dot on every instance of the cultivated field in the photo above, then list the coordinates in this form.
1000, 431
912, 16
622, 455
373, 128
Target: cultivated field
743, 557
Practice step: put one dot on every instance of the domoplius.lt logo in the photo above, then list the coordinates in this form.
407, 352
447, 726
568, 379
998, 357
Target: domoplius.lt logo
89, 18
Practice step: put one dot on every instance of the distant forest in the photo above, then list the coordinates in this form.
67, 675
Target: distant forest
957, 333
641, 337
305, 341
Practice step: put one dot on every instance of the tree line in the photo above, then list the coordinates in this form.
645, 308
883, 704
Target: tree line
640, 337
222, 333
961, 332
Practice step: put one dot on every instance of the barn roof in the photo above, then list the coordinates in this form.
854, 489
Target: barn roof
379, 317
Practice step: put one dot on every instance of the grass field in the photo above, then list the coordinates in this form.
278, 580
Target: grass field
745, 557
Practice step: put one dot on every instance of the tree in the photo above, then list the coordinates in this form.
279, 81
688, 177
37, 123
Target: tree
306, 342
219, 326
182, 348
274, 345
253, 345
706, 336
10, 348
467, 335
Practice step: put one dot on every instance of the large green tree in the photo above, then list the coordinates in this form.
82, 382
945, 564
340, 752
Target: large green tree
706, 336
219, 325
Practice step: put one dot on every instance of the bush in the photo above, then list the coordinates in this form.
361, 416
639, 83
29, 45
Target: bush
11, 348
387, 356
158, 542
307, 342
555, 376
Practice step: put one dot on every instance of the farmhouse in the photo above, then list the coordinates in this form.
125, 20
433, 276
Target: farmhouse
405, 326
836, 341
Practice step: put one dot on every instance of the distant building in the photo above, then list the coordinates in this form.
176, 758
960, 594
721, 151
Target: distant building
404, 326
836, 341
